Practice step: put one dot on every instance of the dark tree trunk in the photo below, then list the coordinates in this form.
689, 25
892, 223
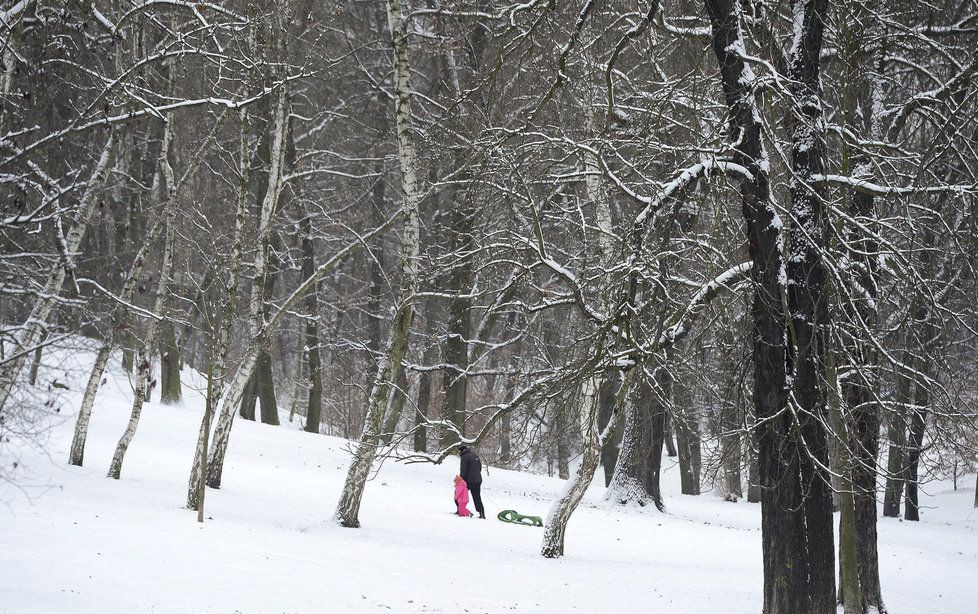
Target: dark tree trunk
806, 301
266, 389
896, 430
250, 398
785, 557
687, 441
424, 404
609, 453
753, 477
170, 389
658, 435
732, 449
314, 410
668, 429
916, 440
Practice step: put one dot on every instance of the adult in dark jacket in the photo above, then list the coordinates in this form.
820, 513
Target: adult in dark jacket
470, 468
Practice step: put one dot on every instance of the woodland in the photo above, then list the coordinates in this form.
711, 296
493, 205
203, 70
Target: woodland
579, 236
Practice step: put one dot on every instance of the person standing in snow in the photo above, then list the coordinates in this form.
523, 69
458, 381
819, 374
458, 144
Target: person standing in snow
461, 498
471, 471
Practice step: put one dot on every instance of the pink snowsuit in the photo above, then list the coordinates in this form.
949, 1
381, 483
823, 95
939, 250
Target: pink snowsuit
462, 496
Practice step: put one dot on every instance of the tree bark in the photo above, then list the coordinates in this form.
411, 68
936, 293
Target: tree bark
555, 526
611, 449
806, 299
266, 388
314, 410
348, 509
786, 578
896, 430
170, 387
687, 441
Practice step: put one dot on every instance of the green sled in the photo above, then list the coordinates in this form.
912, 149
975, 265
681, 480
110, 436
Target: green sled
514, 517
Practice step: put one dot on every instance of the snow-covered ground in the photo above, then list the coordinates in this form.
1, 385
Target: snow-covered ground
72, 540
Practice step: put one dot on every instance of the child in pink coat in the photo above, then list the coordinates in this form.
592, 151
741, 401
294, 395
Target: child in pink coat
462, 497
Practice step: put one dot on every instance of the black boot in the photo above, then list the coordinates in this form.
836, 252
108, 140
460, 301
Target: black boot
482, 515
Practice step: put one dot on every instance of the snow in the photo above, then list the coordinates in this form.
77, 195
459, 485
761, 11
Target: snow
72, 540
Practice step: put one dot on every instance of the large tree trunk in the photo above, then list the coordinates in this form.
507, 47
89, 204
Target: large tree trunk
35, 326
786, 580
348, 509
630, 481
806, 299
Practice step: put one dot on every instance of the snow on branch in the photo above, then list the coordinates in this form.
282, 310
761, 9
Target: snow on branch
681, 322
868, 187
685, 179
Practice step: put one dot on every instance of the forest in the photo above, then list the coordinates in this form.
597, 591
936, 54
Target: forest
592, 239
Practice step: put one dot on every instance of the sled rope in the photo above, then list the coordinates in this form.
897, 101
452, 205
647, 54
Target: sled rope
514, 517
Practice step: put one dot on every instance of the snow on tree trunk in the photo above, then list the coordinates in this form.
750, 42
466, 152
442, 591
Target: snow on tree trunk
629, 482
348, 509
782, 525
36, 324
555, 526
807, 300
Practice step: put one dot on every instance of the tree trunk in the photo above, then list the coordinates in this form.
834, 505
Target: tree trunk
556, 525
422, 409
266, 388
753, 477
314, 410
667, 436
731, 448
849, 584
170, 388
786, 578
610, 451
658, 434
399, 396
896, 430
806, 300
249, 401
687, 440
35, 326
144, 368
36, 361
914, 446
348, 509
630, 480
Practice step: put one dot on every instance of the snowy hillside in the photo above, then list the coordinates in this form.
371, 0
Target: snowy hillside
72, 540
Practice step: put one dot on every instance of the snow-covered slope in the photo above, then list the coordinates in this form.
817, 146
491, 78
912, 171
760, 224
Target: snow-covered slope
72, 540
